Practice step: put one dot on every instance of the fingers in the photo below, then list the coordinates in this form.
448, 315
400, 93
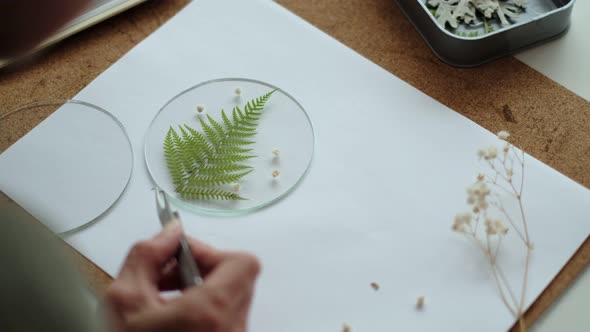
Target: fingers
148, 258
225, 270
207, 259
136, 284
230, 285
195, 315
235, 275
223, 301
170, 277
221, 304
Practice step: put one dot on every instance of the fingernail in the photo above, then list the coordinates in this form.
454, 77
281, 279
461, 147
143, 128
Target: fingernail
172, 227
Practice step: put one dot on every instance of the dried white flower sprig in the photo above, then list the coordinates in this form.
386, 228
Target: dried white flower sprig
484, 200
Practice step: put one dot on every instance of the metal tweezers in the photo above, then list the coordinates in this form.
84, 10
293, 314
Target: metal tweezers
187, 267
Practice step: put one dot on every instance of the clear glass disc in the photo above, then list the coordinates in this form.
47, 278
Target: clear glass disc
284, 143
65, 162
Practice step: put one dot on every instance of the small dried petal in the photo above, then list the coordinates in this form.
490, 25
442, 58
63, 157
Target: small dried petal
461, 220
235, 186
276, 152
466, 218
503, 135
482, 204
492, 152
276, 173
476, 191
500, 228
481, 177
346, 327
200, 108
375, 286
238, 91
420, 302
490, 229
479, 189
459, 228
488, 153
494, 227
481, 153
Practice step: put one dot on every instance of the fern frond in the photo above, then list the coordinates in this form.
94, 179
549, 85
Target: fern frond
242, 134
218, 127
213, 169
210, 180
240, 114
200, 162
198, 149
237, 141
233, 150
185, 150
206, 193
198, 142
226, 159
226, 121
173, 159
210, 133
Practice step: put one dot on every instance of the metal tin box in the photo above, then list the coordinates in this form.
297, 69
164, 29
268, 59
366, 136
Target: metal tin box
542, 20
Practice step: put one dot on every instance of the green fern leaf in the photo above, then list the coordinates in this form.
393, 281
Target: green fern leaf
226, 121
218, 127
210, 133
199, 143
213, 169
233, 150
211, 180
228, 159
172, 158
206, 194
197, 150
201, 162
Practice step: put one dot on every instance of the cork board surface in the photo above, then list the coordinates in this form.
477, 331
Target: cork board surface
548, 121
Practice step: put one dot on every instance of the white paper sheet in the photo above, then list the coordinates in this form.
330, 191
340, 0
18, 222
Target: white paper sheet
390, 172
565, 60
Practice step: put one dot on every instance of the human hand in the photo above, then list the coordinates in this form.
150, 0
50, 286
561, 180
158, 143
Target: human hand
220, 304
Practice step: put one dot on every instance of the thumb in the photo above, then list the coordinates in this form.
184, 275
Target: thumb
148, 257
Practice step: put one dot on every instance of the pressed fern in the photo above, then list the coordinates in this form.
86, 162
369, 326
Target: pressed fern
201, 162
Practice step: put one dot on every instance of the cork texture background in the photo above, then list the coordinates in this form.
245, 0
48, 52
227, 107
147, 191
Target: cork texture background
548, 121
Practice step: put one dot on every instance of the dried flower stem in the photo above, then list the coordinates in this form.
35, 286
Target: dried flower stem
501, 208
502, 165
501, 291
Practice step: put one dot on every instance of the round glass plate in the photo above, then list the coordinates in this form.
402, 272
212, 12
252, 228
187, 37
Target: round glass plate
282, 147
71, 168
